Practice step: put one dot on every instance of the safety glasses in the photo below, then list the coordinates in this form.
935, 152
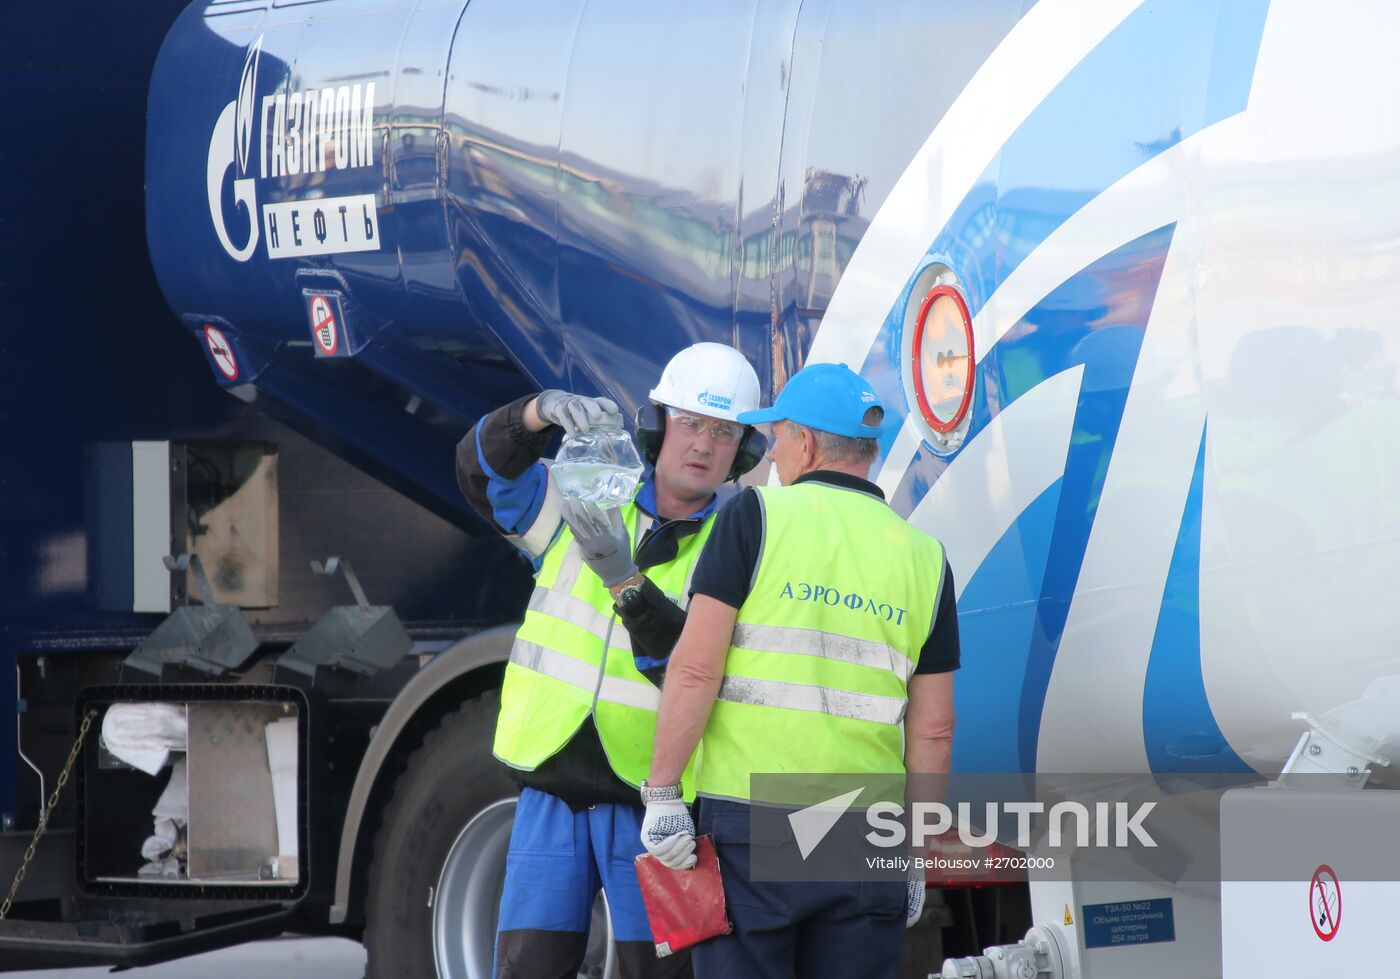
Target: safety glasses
723, 432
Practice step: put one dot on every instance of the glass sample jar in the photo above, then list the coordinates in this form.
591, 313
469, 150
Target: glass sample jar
601, 466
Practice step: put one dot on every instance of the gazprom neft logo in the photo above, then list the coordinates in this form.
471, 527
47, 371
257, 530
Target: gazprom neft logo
712, 400
298, 133
802, 591
319, 129
228, 146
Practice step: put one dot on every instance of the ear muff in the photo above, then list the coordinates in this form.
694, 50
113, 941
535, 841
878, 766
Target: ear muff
752, 448
650, 425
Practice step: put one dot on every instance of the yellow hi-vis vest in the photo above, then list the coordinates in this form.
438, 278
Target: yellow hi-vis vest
816, 676
572, 656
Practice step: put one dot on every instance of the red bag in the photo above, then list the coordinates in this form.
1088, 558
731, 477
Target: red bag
684, 907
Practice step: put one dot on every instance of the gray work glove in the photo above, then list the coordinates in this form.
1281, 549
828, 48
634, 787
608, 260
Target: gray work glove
601, 536
574, 413
914, 898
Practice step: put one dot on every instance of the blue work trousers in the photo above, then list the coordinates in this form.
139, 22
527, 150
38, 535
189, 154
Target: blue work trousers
803, 928
557, 861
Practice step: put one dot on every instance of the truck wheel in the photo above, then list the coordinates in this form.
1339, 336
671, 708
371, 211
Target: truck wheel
440, 859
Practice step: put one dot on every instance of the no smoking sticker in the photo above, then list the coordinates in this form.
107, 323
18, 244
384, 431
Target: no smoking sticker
1325, 903
221, 352
323, 326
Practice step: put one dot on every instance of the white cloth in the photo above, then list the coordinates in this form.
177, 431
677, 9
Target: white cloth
168, 868
143, 735
157, 846
174, 802
171, 812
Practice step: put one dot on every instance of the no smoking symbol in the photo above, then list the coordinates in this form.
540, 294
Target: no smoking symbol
323, 326
220, 351
1325, 903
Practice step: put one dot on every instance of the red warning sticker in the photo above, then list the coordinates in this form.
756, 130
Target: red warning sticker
222, 353
1325, 903
323, 326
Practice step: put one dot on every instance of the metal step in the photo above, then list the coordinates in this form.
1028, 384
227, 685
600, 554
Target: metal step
111, 933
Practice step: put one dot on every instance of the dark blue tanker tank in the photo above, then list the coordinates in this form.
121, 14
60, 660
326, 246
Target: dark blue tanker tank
387, 221
380, 222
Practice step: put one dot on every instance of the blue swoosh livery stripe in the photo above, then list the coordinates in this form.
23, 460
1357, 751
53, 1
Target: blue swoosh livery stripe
998, 628
1178, 726
1168, 71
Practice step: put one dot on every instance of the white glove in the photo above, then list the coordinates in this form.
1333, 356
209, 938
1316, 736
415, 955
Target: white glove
668, 833
914, 898
575, 413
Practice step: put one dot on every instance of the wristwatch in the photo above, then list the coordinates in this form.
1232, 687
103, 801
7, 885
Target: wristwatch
660, 793
630, 592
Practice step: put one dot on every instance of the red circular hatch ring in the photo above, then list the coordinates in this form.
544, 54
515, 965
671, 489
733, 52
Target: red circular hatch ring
943, 372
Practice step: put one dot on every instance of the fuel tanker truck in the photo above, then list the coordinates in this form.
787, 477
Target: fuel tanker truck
1123, 273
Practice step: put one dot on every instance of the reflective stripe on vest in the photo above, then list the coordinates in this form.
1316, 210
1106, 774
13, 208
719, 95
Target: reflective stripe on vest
823, 648
575, 611
814, 642
824, 700
572, 657
599, 686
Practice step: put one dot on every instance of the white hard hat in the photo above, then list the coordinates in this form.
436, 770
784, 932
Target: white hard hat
709, 379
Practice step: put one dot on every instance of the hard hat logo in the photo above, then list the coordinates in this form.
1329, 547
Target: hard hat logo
715, 400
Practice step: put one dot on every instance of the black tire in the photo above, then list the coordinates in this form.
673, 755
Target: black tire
450, 779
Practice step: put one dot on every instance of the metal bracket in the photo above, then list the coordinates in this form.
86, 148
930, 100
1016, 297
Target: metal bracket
201, 580
22, 707
1320, 752
361, 638
334, 564
210, 638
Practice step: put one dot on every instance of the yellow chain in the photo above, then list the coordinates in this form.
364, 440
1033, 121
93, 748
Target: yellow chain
48, 811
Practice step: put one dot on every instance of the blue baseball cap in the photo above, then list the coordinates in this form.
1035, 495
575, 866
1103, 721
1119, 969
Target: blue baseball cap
828, 397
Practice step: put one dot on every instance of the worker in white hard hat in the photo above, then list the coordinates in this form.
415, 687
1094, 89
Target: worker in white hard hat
579, 699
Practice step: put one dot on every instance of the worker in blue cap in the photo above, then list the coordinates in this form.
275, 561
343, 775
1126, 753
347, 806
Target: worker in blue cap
821, 638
